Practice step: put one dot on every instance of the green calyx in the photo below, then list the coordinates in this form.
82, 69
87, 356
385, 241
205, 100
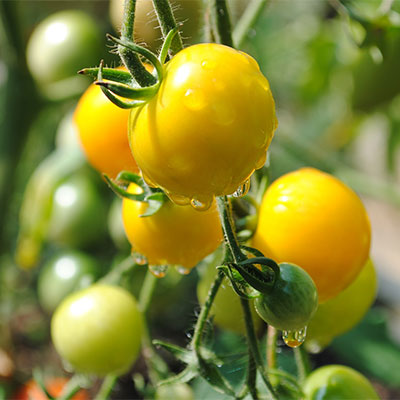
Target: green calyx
120, 85
155, 198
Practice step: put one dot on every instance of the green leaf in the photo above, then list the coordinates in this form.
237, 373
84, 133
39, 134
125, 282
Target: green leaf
180, 353
123, 90
122, 192
112, 74
210, 372
155, 202
185, 376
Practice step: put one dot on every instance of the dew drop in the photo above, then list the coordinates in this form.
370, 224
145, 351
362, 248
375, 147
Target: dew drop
208, 64
294, 338
158, 271
194, 99
178, 199
242, 190
261, 161
201, 205
183, 270
223, 113
139, 259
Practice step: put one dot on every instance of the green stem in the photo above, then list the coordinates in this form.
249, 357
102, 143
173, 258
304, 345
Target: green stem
129, 58
272, 338
205, 310
225, 214
158, 369
302, 363
167, 22
115, 275
247, 21
106, 387
222, 22
252, 341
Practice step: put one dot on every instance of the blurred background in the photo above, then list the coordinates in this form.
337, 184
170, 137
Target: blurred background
334, 70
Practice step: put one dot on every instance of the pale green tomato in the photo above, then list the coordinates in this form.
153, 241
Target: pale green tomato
340, 314
98, 330
337, 382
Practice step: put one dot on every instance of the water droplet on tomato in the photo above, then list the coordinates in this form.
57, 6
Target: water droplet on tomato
223, 113
294, 338
194, 99
178, 199
139, 259
261, 161
158, 271
201, 205
208, 64
183, 270
242, 190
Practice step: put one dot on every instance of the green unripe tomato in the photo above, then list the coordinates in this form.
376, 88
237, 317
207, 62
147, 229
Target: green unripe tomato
98, 330
63, 274
78, 212
340, 314
334, 382
61, 45
291, 302
226, 309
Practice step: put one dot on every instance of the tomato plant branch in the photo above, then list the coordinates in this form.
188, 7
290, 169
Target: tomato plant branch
106, 387
114, 276
302, 363
158, 369
225, 214
221, 22
247, 21
205, 310
130, 59
272, 337
167, 22
252, 341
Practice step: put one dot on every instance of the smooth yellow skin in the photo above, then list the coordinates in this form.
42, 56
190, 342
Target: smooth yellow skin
209, 126
103, 133
175, 235
98, 330
312, 219
340, 314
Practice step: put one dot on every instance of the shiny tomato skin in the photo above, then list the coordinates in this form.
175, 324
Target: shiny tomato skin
175, 235
103, 132
195, 139
312, 219
98, 330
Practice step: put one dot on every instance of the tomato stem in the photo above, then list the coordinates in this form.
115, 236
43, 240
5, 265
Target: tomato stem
106, 387
158, 369
130, 59
221, 22
252, 341
167, 22
302, 363
247, 21
205, 310
272, 337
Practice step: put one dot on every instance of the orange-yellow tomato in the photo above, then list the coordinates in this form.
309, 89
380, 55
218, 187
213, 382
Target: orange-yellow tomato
103, 132
176, 235
312, 219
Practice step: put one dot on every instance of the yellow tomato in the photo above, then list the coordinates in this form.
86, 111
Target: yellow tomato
340, 314
103, 133
177, 235
209, 126
312, 219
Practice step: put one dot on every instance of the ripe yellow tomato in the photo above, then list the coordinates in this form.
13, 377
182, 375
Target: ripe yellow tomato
209, 126
175, 235
312, 219
340, 314
103, 133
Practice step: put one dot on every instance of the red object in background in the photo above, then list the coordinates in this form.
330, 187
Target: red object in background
31, 390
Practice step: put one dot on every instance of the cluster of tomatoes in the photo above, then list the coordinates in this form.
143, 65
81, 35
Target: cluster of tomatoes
195, 141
